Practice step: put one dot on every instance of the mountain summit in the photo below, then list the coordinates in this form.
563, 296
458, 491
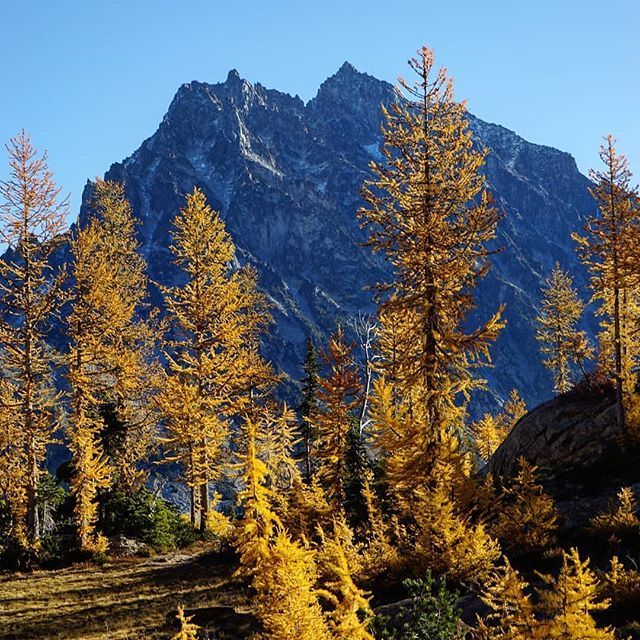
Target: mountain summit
285, 176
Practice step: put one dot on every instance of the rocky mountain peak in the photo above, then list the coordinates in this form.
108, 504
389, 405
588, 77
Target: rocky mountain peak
286, 177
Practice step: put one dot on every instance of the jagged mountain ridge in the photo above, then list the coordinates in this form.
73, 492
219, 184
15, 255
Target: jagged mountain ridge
285, 176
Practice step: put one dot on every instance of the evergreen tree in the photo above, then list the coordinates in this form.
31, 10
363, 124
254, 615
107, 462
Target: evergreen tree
215, 370
32, 219
610, 249
562, 344
429, 213
309, 405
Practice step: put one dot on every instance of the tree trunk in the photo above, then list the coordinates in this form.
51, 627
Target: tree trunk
33, 524
204, 506
618, 359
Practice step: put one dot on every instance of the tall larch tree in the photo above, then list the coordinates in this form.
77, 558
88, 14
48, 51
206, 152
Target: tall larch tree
562, 344
610, 250
110, 358
128, 411
429, 213
32, 219
215, 371
339, 395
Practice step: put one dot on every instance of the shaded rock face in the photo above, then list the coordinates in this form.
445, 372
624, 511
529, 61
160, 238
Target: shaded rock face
582, 455
286, 175
565, 435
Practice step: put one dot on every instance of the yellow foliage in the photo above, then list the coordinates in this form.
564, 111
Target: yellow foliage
218, 523
527, 519
307, 508
338, 396
379, 554
512, 613
286, 599
562, 611
188, 630
32, 221
428, 211
90, 473
610, 251
110, 359
393, 439
562, 344
489, 432
350, 612
622, 586
568, 601
445, 539
215, 370
126, 328
258, 524
621, 518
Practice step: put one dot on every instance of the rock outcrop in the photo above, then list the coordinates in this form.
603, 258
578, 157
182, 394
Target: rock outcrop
583, 457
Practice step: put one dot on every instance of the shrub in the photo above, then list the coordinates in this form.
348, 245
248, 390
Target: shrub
431, 615
147, 518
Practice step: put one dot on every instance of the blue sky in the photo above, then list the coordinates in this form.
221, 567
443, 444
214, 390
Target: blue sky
91, 79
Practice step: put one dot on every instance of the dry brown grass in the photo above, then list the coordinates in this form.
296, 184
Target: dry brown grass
123, 599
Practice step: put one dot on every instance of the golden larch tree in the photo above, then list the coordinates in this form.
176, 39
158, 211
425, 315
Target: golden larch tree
489, 432
350, 612
216, 318
527, 517
110, 356
286, 597
257, 526
562, 610
429, 213
338, 395
127, 409
562, 344
569, 601
32, 219
610, 250
512, 612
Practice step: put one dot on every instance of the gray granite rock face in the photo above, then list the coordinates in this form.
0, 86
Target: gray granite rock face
285, 176
568, 434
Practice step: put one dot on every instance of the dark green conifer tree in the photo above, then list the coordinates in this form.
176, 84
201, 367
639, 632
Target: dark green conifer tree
309, 404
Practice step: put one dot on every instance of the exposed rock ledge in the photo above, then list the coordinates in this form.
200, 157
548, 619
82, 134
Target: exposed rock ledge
581, 453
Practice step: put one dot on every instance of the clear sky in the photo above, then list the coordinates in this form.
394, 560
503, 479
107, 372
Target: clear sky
90, 79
